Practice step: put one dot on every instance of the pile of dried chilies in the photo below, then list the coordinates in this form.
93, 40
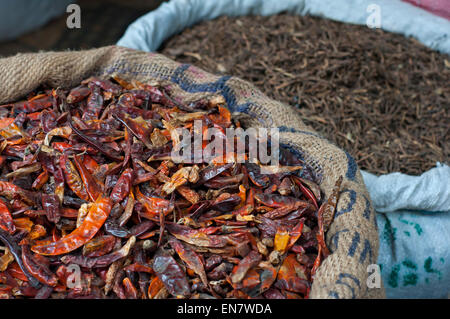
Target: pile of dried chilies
91, 205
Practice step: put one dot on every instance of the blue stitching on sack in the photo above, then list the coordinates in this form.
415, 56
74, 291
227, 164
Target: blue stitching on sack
334, 294
346, 275
367, 249
335, 238
241, 108
298, 155
354, 245
316, 170
293, 150
352, 168
231, 98
375, 221
217, 86
352, 195
191, 87
366, 213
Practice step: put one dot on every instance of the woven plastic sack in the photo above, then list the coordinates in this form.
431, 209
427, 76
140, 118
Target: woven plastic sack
352, 237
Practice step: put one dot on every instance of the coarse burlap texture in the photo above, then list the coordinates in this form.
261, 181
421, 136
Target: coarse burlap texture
352, 237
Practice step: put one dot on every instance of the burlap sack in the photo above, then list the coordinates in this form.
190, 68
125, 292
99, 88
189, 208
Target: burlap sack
352, 236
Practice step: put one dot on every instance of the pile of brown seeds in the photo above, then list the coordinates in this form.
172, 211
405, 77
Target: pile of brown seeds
382, 97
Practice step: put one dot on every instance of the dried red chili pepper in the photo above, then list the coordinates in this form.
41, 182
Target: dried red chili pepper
15, 250
91, 168
252, 259
50, 204
171, 274
192, 260
72, 177
123, 186
6, 221
81, 235
92, 186
38, 270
